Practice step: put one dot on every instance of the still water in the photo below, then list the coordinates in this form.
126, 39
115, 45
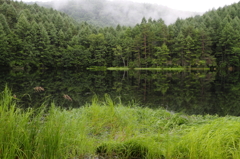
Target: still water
192, 92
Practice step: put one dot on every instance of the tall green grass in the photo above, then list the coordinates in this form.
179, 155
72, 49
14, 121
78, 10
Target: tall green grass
41, 133
118, 68
111, 130
218, 139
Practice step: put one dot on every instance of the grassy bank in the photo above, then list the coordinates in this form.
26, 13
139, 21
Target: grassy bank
111, 130
118, 68
158, 69
162, 69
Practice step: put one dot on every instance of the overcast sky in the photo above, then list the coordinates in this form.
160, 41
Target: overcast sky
191, 5
185, 5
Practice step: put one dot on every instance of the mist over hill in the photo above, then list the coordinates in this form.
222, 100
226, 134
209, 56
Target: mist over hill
111, 13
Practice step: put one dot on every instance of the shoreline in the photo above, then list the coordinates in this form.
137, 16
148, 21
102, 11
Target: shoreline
111, 130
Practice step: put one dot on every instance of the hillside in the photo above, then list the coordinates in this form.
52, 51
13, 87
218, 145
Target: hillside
111, 13
36, 37
220, 34
33, 36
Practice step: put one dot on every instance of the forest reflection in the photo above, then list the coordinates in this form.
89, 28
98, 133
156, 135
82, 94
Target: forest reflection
192, 92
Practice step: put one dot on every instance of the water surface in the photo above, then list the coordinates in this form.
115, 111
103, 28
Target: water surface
193, 92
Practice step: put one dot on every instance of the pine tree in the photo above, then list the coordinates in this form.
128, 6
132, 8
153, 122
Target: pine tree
161, 55
4, 24
61, 43
188, 55
4, 54
68, 35
52, 33
83, 34
26, 12
10, 13
178, 52
226, 42
58, 22
205, 44
98, 49
144, 35
40, 42
22, 30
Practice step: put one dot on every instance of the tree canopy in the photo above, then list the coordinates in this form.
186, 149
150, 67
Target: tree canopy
34, 36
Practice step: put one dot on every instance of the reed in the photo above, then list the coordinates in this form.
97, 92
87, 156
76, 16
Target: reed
41, 133
111, 130
218, 139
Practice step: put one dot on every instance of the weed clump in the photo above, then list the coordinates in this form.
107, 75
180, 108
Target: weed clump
131, 149
217, 139
112, 130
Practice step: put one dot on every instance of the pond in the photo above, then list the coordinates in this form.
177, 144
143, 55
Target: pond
192, 92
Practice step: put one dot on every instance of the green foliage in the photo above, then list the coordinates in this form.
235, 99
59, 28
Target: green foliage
4, 24
40, 132
162, 55
37, 37
4, 53
10, 13
217, 139
134, 148
112, 130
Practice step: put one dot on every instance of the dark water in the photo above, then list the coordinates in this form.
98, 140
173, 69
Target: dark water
192, 92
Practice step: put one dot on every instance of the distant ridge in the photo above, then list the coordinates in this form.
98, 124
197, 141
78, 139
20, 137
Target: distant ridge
111, 13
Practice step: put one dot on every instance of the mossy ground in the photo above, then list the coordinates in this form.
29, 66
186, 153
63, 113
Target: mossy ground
111, 130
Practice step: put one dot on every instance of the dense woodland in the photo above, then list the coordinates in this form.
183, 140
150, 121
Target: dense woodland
34, 37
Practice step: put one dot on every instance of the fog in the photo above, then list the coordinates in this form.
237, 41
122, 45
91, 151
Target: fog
125, 12
191, 5
183, 5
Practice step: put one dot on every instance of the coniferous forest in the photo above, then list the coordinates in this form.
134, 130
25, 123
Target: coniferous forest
36, 37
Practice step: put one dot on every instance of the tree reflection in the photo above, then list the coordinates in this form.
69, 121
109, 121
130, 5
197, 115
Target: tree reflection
192, 92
